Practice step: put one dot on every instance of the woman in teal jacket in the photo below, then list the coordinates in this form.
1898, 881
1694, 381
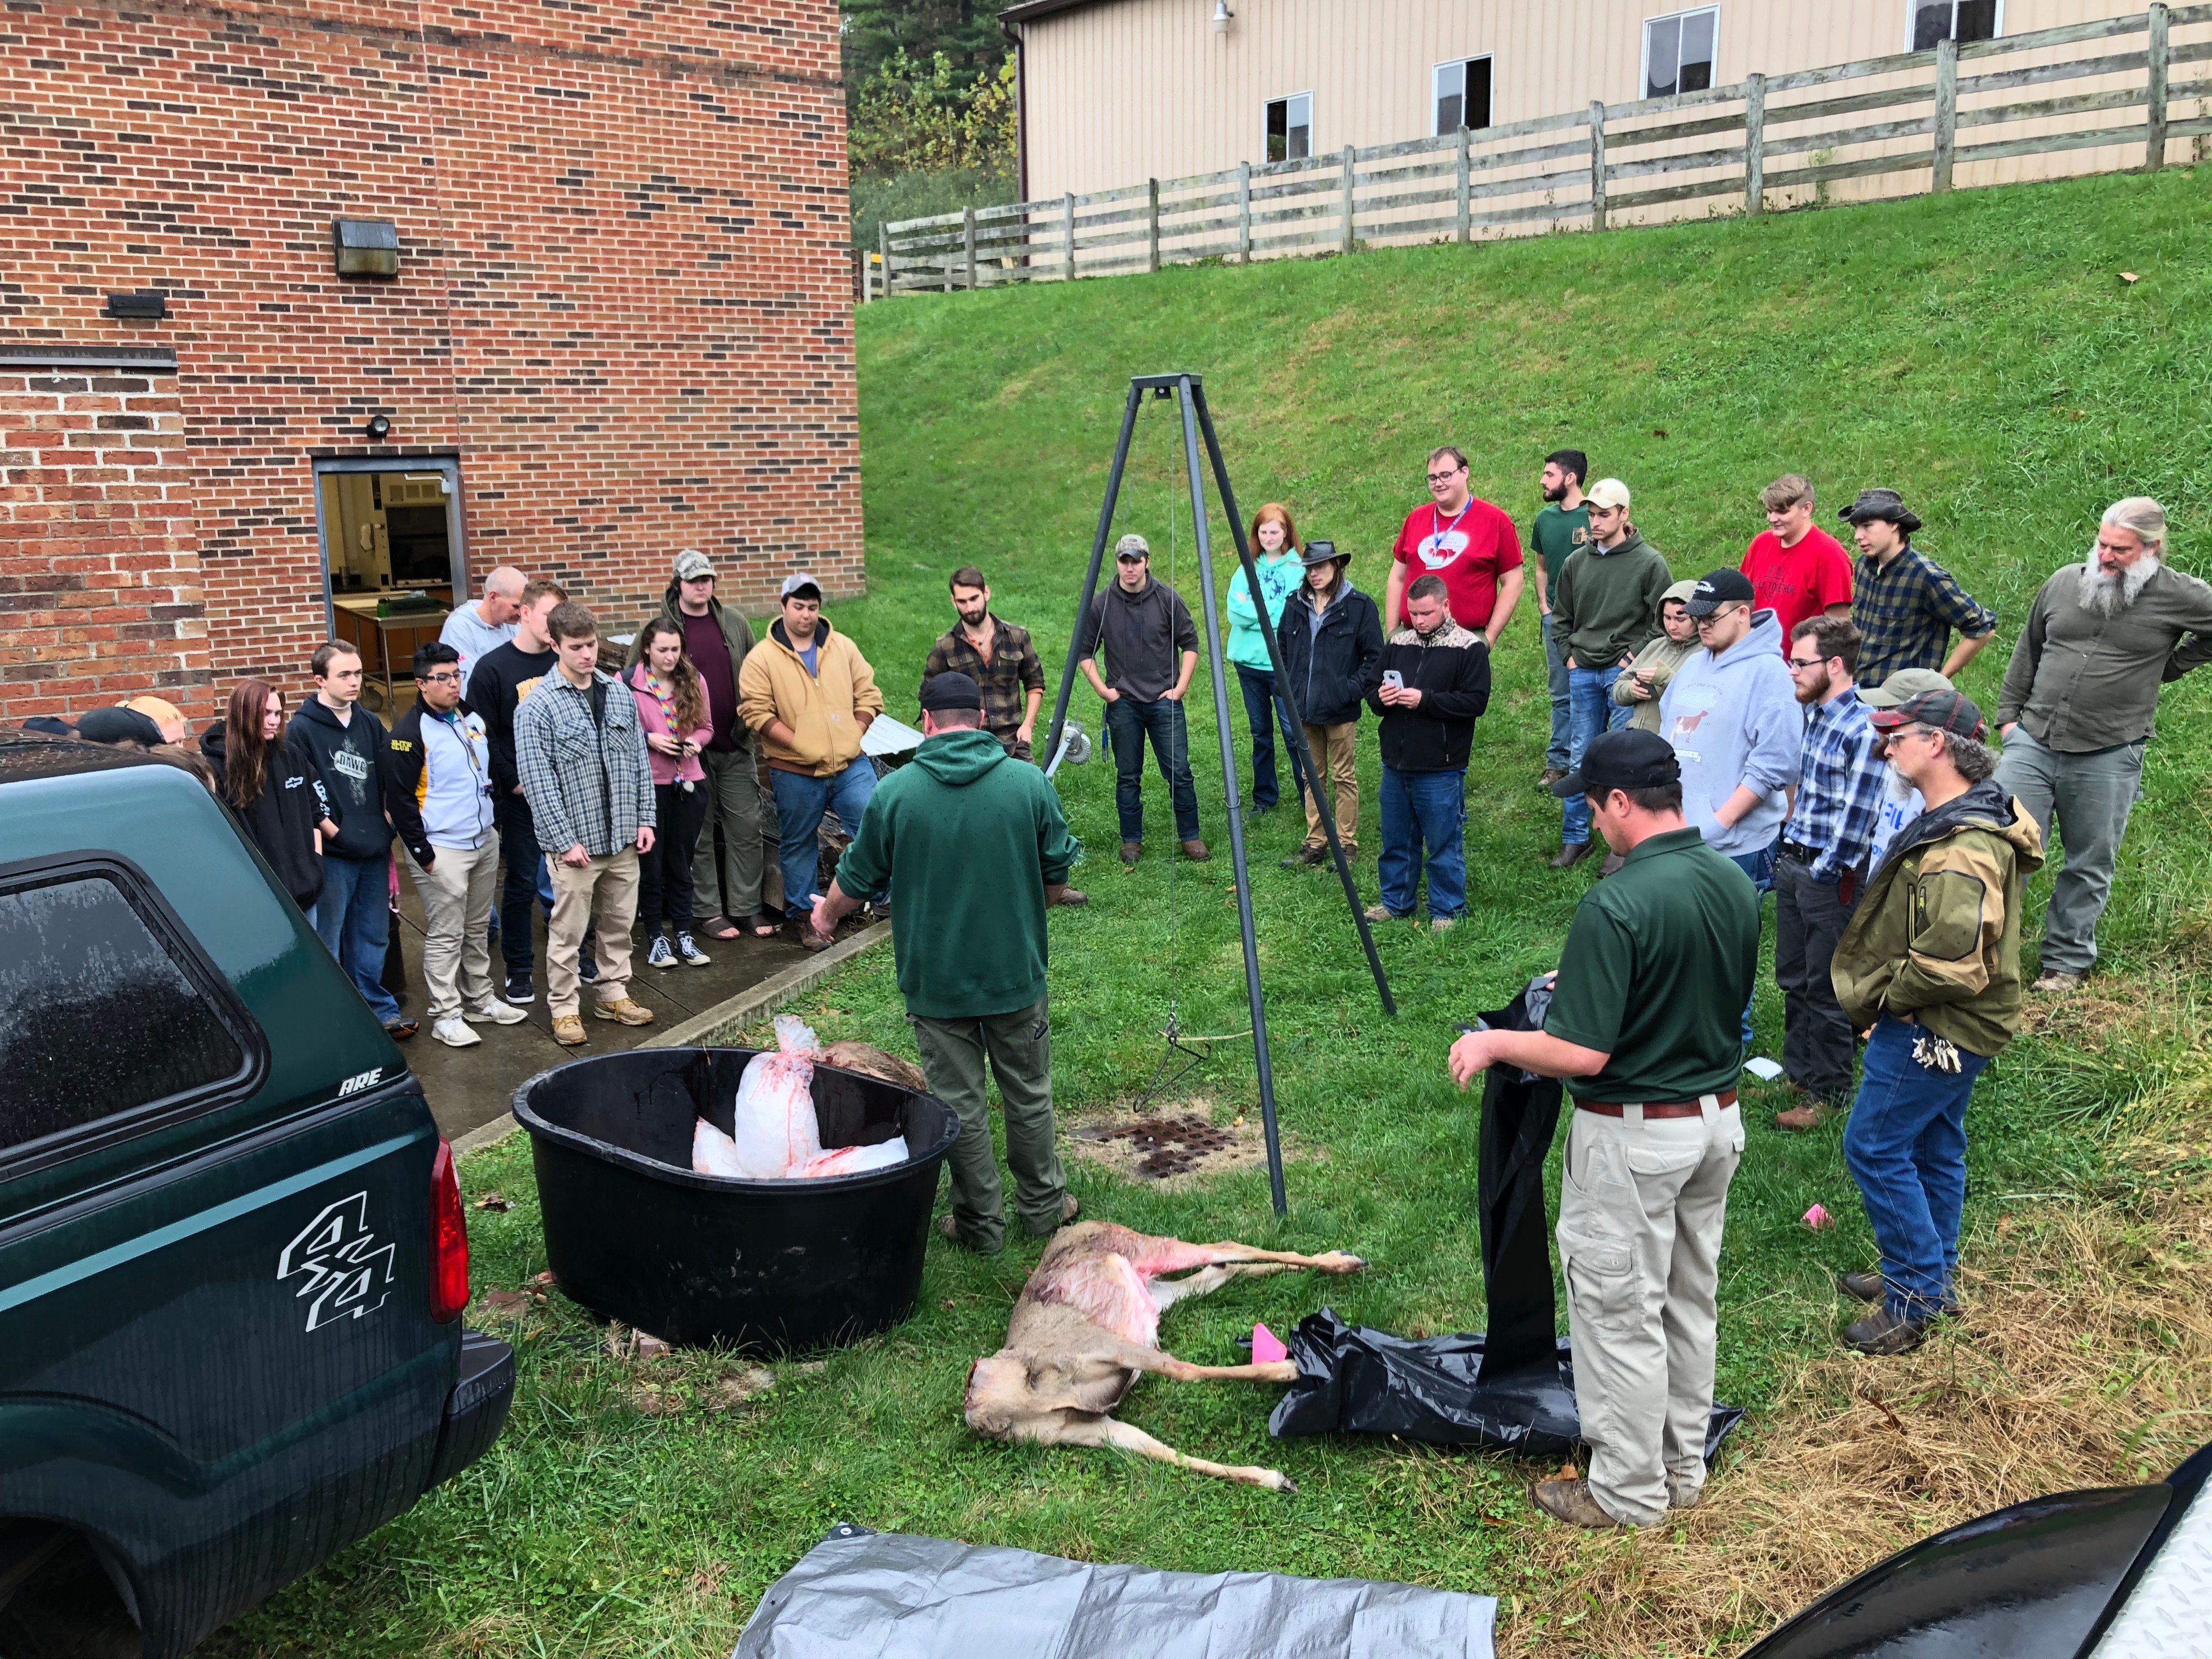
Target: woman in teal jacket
1275, 554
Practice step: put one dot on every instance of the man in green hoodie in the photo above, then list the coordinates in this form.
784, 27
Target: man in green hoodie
973, 843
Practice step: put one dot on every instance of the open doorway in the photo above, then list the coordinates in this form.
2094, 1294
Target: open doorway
393, 563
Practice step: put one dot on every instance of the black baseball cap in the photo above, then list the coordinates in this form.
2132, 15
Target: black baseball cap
1626, 759
1716, 589
1942, 711
952, 689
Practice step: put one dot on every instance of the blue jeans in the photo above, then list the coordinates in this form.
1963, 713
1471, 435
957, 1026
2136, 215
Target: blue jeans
1559, 749
1759, 867
1419, 809
1128, 725
353, 920
1591, 710
1264, 717
1906, 1146
799, 805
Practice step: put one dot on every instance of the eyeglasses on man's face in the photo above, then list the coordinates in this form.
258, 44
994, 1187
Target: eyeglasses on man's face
1447, 475
1799, 663
444, 676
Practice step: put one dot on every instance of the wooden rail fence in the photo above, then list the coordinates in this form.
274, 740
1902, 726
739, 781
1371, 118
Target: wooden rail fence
1759, 144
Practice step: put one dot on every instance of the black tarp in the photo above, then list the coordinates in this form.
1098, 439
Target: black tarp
897, 1595
1510, 1386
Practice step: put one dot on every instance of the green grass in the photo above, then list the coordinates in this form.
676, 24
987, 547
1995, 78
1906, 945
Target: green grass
1978, 352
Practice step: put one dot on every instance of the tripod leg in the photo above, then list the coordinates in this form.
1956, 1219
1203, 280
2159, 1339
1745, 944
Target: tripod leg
1076, 652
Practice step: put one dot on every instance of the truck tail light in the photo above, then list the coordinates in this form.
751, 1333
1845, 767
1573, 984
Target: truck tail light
449, 1240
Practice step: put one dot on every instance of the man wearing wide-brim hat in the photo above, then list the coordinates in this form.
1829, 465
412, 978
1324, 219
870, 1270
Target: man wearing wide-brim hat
1907, 604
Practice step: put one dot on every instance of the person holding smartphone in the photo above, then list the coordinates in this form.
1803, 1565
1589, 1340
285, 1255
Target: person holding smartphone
671, 706
1436, 682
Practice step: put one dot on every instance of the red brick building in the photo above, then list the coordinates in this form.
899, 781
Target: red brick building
621, 323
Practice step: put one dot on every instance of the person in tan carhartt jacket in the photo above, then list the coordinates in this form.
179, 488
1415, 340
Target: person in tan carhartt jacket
809, 693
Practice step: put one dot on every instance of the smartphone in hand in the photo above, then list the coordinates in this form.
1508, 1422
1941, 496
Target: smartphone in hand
1391, 677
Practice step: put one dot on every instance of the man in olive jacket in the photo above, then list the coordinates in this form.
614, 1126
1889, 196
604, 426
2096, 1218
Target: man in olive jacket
974, 842
1931, 962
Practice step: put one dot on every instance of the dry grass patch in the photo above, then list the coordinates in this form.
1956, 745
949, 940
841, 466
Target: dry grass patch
2085, 1359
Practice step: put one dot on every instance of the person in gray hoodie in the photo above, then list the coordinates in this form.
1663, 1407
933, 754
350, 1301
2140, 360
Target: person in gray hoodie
1731, 713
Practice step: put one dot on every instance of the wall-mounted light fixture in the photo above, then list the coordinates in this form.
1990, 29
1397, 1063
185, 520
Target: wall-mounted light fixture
1222, 15
379, 428
147, 302
365, 247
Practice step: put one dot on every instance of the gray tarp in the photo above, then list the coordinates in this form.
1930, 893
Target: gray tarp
906, 1597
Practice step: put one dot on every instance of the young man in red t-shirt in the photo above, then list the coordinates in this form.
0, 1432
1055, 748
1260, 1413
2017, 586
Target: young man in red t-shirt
1470, 544
1796, 568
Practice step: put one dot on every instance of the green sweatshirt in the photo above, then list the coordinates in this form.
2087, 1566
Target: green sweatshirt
967, 838
1606, 603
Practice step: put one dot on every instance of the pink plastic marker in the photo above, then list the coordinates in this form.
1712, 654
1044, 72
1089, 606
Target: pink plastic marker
1267, 1346
1817, 1216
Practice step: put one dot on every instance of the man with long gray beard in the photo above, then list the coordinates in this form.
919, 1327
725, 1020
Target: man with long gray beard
2081, 701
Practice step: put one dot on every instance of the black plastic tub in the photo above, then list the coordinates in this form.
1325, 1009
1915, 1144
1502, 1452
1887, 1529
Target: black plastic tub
766, 1266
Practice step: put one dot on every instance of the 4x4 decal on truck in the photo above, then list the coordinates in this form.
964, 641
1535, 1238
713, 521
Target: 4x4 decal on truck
343, 1263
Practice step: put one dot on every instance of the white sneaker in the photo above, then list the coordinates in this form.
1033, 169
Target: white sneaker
492, 1009
662, 955
692, 955
455, 1032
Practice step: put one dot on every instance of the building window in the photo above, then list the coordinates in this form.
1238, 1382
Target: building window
1289, 128
1462, 97
1679, 52
1955, 20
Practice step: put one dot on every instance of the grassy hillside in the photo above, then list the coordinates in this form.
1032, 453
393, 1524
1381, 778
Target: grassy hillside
1983, 354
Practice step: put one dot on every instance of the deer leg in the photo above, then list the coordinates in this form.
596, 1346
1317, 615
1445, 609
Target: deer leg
1122, 1437
1335, 1261
1182, 1370
1166, 1292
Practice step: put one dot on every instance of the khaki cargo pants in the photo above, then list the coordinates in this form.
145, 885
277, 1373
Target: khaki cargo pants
1641, 1207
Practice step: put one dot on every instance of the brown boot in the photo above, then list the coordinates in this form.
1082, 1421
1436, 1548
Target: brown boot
1571, 1501
1613, 862
1130, 849
1552, 775
1570, 853
1073, 898
1862, 1286
1807, 1114
1196, 851
1305, 858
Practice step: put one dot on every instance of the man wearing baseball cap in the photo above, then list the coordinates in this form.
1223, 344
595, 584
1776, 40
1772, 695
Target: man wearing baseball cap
1931, 963
1905, 604
1900, 801
717, 638
809, 695
974, 843
1643, 1026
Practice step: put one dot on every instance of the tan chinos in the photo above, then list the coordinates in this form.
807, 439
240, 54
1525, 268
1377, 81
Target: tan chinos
1332, 753
603, 897
456, 893
1641, 1208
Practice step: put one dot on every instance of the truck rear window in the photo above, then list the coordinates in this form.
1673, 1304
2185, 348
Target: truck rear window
97, 1016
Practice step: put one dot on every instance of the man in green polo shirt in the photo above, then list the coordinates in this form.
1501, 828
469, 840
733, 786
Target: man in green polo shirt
1644, 1026
972, 843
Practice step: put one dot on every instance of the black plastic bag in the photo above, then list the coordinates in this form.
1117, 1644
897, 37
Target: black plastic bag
1354, 1381
859, 1592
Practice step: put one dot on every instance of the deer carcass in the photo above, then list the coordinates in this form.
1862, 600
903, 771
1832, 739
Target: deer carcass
1088, 1321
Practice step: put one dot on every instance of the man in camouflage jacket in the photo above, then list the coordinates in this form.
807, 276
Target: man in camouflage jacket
1931, 963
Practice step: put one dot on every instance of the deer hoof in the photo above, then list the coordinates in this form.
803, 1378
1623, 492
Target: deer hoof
1286, 1486
1336, 1261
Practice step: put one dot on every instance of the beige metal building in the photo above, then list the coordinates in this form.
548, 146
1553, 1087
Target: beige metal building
1117, 91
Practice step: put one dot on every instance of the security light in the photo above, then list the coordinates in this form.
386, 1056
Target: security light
365, 247
379, 428
1221, 16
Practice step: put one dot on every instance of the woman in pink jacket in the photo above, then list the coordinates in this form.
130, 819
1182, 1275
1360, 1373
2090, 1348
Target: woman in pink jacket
671, 704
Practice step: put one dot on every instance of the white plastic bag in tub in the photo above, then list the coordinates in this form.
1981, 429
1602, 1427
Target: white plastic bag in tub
777, 1135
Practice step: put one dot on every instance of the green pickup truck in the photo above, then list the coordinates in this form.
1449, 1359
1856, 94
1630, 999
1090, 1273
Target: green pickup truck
233, 1259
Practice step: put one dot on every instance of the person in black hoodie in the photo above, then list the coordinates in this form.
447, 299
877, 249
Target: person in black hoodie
1436, 681
1331, 638
272, 784
351, 750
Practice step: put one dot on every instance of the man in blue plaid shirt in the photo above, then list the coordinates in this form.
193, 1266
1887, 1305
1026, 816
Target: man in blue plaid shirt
1822, 863
1907, 604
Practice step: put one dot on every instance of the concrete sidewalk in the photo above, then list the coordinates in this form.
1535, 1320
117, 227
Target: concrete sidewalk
468, 1088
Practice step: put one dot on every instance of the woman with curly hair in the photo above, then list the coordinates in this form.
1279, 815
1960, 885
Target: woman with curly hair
671, 703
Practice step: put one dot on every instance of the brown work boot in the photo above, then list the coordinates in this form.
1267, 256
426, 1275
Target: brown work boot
1883, 1334
1571, 1501
1196, 851
1073, 898
1130, 849
1807, 1114
1069, 1209
622, 1008
568, 1030
1613, 862
1306, 857
1570, 853
1552, 775
1862, 1286
2053, 981
811, 940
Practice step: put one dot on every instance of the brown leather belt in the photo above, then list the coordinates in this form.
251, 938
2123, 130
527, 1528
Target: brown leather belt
1669, 1109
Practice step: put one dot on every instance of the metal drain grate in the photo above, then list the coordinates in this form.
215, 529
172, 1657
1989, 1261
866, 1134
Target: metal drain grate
1171, 1145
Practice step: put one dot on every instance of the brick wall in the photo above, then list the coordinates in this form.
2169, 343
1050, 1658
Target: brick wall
99, 569
623, 302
